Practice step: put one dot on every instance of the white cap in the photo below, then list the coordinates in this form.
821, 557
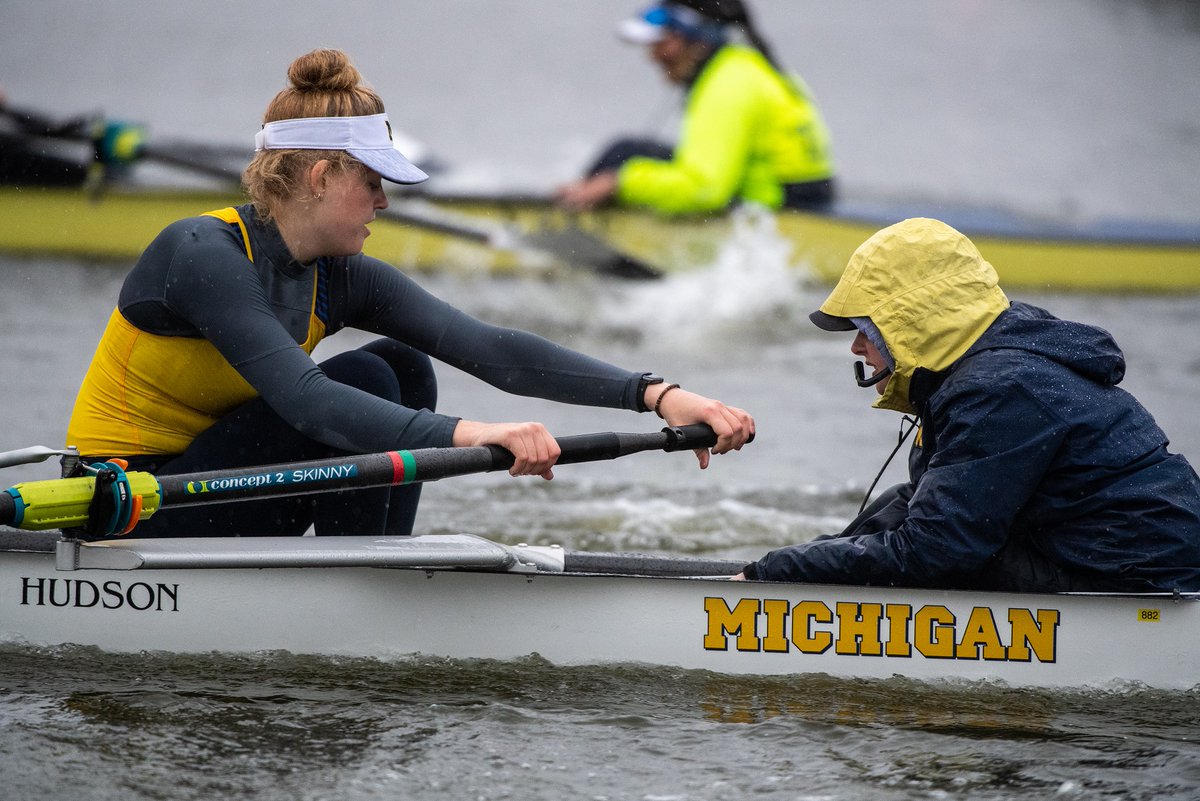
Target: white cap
641, 30
652, 24
368, 139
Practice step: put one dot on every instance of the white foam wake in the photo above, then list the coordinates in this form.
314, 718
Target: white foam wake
752, 288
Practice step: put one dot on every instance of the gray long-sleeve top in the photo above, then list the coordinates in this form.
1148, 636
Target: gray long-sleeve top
194, 281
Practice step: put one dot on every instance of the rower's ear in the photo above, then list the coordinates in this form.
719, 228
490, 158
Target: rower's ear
318, 173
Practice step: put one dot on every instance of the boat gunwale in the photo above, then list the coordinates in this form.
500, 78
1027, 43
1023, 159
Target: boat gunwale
669, 566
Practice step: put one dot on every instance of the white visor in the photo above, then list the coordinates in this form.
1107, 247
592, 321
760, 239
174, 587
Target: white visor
639, 31
368, 139
652, 25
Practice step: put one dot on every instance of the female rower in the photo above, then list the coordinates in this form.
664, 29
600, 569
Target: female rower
206, 363
750, 132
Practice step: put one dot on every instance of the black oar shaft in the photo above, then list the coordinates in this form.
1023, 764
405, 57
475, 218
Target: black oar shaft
406, 467
179, 157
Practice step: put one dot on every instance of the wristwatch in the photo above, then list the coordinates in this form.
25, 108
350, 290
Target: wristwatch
646, 380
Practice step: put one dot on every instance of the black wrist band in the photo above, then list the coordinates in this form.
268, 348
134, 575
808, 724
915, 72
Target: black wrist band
646, 380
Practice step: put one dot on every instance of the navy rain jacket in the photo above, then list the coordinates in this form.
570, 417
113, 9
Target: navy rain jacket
1026, 443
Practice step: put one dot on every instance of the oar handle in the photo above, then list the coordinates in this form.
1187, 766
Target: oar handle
611, 445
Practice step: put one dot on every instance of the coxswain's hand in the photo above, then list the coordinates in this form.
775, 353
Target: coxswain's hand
533, 448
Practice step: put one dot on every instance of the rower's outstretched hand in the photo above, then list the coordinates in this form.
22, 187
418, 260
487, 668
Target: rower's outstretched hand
733, 426
533, 448
588, 193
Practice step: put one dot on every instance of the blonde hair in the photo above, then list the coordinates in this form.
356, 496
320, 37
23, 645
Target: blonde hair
322, 83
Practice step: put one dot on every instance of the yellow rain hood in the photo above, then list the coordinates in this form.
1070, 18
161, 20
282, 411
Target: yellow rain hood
928, 290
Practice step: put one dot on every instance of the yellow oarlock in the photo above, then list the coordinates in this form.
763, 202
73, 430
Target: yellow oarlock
64, 502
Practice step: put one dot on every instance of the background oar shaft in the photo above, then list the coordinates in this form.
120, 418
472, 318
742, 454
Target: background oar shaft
200, 162
570, 244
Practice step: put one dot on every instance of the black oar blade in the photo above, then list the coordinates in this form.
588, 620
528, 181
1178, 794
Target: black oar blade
575, 246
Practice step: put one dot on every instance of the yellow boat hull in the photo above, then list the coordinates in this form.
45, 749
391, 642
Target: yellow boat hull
120, 223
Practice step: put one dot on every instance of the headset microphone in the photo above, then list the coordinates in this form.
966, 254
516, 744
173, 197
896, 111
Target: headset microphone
860, 375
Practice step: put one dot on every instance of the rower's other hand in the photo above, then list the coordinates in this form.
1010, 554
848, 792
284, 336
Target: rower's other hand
587, 194
733, 426
533, 448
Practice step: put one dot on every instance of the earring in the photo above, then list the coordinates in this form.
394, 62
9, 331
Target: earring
318, 196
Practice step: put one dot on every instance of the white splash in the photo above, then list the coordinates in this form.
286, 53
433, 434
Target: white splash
752, 283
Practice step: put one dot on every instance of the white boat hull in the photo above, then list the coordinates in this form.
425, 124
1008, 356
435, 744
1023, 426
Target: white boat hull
571, 619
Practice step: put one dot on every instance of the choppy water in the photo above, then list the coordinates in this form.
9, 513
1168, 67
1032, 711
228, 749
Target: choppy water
89, 726
1075, 108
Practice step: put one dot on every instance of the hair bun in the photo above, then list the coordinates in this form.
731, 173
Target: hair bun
324, 70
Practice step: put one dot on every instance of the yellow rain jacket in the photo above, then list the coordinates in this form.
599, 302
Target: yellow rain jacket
746, 132
927, 289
